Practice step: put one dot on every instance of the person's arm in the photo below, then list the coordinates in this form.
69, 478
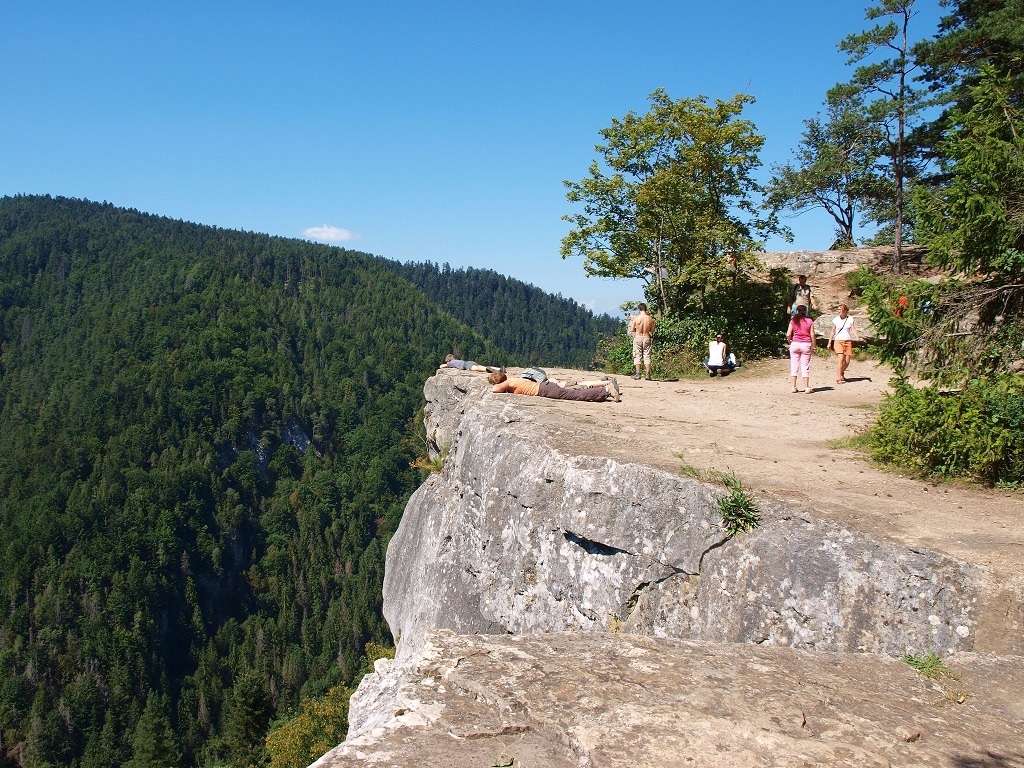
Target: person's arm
504, 386
789, 332
853, 332
832, 334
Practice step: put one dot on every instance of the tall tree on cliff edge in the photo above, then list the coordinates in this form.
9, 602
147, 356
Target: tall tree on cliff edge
672, 200
882, 81
833, 169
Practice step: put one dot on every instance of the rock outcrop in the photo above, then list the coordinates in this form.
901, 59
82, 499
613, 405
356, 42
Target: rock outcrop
820, 264
607, 617
516, 535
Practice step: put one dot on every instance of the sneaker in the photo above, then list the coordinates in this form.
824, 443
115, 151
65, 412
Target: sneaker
795, 390
636, 376
613, 389
648, 377
808, 390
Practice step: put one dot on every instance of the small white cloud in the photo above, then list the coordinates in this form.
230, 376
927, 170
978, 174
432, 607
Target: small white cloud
590, 304
328, 234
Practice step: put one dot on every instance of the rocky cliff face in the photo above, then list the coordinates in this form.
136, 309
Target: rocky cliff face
517, 535
606, 617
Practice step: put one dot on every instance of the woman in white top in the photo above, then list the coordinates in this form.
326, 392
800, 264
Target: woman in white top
841, 339
717, 361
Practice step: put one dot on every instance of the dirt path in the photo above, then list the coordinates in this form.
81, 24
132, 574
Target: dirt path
781, 446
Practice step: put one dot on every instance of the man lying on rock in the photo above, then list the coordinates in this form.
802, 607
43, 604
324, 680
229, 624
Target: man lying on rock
451, 361
595, 394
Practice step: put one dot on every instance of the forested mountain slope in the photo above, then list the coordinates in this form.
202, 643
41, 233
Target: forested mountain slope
535, 327
204, 446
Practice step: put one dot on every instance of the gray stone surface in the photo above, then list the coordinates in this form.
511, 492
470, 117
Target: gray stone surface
518, 534
821, 264
598, 699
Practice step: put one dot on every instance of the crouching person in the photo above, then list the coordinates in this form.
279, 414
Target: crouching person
502, 384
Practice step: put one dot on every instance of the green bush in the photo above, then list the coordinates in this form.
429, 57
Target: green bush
977, 432
744, 312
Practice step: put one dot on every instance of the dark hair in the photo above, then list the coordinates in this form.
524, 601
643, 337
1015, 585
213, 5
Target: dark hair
496, 378
800, 308
642, 307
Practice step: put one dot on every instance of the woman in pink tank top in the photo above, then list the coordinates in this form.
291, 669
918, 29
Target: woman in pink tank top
801, 341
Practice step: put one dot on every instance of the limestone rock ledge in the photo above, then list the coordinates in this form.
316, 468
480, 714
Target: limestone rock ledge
524, 532
599, 699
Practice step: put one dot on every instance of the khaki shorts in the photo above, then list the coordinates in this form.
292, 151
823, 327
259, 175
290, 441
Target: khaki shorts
641, 350
842, 347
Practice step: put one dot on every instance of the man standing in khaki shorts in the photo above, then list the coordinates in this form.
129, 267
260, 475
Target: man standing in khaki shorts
641, 328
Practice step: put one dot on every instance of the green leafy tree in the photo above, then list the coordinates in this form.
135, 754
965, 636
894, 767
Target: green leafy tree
319, 727
672, 199
833, 169
883, 81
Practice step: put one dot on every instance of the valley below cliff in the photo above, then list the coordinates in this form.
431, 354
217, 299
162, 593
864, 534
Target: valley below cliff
565, 590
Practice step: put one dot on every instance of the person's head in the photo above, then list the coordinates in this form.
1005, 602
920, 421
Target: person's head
843, 309
449, 358
496, 378
642, 307
801, 279
719, 337
799, 311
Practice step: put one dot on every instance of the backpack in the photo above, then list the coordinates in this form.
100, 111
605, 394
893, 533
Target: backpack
534, 374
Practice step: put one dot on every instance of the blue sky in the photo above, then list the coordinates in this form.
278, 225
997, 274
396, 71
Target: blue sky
420, 131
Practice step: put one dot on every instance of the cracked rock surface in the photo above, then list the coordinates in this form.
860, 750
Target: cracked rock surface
598, 699
518, 534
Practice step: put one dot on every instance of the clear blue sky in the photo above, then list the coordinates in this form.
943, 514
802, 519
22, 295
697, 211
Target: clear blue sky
424, 131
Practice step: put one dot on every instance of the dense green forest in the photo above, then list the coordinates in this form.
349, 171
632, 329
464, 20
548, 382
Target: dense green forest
535, 327
205, 444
